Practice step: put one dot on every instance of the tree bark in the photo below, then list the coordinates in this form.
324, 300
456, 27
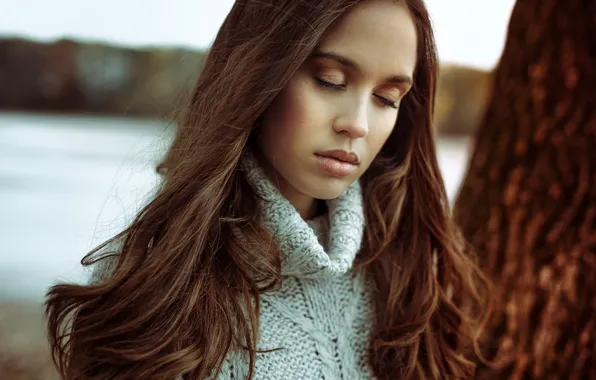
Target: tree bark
528, 202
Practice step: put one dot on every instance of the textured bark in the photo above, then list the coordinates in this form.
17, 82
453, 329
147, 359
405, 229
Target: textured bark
528, 201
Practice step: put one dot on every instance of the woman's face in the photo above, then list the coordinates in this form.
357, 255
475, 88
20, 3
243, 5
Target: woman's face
326, 126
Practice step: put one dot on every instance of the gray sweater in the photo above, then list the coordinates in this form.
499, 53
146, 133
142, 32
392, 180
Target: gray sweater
322, 315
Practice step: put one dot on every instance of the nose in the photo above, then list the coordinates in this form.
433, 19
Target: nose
353, 120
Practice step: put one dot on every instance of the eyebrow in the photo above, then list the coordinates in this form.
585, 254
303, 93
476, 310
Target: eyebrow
397, 79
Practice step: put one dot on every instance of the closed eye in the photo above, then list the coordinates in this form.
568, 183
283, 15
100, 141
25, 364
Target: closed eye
340, 87
386, 102
327, 84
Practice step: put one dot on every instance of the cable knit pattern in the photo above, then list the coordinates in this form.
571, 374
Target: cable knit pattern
321, 317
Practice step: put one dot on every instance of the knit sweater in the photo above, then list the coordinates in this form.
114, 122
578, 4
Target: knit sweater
322, 315
320, 318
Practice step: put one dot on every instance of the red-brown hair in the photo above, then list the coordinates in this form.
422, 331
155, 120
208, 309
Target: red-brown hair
183, 290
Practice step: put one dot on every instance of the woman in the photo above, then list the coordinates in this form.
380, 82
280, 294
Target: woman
301, 229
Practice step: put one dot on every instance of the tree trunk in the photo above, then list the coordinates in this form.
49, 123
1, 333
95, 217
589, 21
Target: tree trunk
528, 201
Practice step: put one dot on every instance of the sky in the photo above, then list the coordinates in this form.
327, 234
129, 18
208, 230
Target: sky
469, 32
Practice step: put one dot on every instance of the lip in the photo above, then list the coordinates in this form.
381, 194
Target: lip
338, 163
341, 155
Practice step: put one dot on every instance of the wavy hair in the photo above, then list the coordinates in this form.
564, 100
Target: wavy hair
182, 290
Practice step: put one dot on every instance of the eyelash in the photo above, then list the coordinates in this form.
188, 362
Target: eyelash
339, 87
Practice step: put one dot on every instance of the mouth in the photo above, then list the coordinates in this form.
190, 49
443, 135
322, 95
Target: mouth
338, 163
341, 155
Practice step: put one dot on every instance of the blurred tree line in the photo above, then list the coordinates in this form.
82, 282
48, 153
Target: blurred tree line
69, 76
77, 77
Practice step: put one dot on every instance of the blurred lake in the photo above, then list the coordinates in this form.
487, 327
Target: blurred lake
67, 183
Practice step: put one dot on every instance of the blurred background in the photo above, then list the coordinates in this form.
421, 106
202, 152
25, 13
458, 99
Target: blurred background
86, 89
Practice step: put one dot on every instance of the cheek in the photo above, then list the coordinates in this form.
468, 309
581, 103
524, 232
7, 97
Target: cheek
288, 119
379, 135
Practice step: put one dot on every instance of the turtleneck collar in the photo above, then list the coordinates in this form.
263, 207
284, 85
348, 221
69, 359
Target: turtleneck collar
323, 247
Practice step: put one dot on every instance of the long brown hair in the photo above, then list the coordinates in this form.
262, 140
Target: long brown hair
183, 290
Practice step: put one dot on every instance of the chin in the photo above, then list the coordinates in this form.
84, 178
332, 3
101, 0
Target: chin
329, 189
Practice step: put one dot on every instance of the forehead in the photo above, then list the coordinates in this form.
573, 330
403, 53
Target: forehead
378, 34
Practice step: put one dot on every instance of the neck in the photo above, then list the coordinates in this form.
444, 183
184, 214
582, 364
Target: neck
309, 210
